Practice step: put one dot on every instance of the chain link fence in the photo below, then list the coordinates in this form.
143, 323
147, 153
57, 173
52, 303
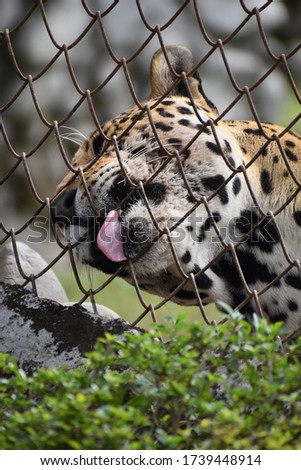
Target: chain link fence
72, 65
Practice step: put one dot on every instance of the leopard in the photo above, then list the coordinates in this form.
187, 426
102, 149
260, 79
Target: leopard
185, 204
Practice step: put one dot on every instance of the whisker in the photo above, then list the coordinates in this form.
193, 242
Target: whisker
152, 149
157, 159
75, 141
73, 136
130, 148
75, 131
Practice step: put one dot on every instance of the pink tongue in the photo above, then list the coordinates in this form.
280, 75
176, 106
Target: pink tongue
109, 239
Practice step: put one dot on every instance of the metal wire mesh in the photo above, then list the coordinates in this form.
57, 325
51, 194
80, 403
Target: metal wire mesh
51, 124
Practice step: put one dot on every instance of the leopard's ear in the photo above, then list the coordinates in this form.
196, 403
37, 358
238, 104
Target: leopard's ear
164, 75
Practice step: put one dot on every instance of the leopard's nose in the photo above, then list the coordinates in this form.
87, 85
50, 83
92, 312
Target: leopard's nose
62, 208
136, 234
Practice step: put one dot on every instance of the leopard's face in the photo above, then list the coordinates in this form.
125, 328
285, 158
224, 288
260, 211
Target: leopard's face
160, 196
139, 200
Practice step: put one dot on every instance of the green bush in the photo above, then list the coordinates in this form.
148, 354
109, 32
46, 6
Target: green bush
221, 387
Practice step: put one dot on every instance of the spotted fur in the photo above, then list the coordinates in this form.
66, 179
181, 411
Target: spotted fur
210, 209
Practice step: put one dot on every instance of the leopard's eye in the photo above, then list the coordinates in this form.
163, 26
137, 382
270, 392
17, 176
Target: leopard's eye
98, 145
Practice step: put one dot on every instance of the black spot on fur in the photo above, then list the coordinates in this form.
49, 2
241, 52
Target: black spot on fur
269, 232
184, 110
236, 185
216, 217
213, 182
137, 117
205, 129
228, 146
196, 188
155, 192
290, 155
183, 294
203, 281
163, 127
168, 102
293, 306
264, 152
123, 120
253, 269
223, 196
119, 190
175, 141
290, 144
186, 154
237, 299
232, 161
266, 183
264, 237
297, 217
226, 269
275, 159
216, 269
293, 280
253, 131
213, 147
164, 113
186, 257
279, 316
185, 122
202, 234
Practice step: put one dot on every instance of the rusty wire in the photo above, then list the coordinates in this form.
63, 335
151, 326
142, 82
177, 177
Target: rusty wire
52, 128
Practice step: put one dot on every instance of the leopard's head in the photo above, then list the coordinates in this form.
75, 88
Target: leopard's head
136, 200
